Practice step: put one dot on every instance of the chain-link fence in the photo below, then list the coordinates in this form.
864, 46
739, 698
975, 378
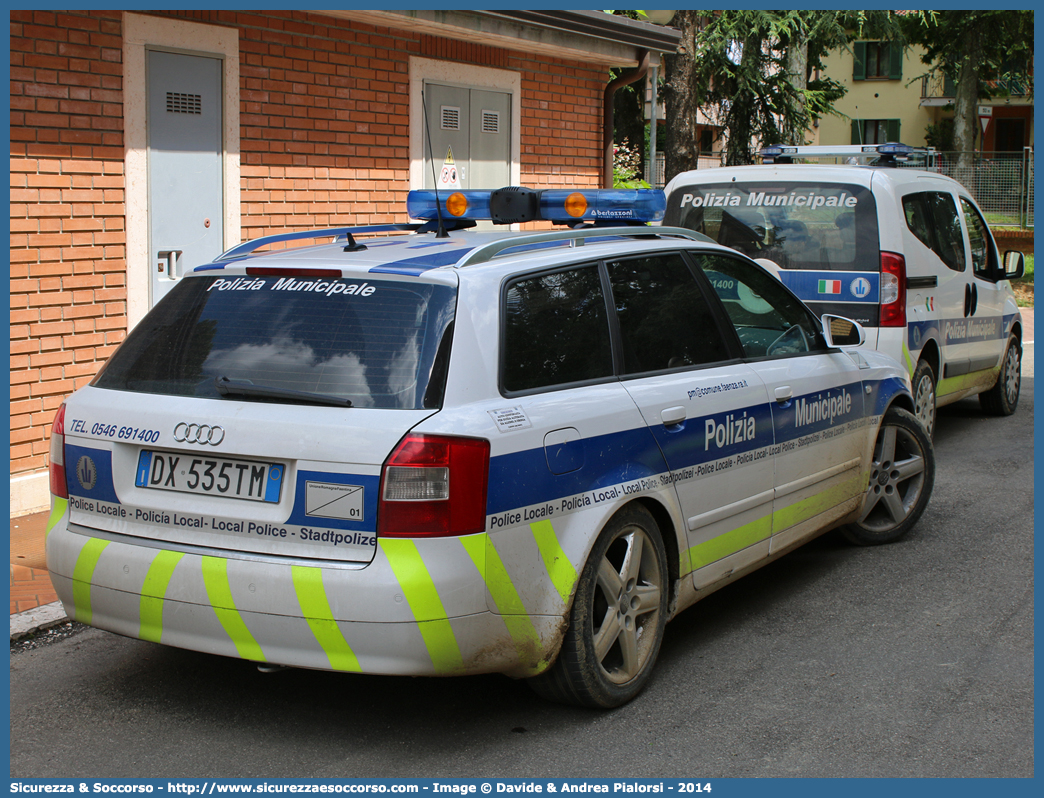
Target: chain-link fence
1001, 182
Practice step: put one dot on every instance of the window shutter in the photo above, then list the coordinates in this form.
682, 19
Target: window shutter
895, 62
857, 131
859, 69
893, 129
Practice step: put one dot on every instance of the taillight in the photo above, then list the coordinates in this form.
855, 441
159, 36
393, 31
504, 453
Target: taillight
433, 486
893, 290
57, 458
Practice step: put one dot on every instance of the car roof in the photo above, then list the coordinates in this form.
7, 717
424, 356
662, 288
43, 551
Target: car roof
859, 175
465, 250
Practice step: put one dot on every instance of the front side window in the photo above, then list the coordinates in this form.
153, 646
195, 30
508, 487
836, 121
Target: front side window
769, 321
984, 257
665, 321
812, 226
370, 342
556, 330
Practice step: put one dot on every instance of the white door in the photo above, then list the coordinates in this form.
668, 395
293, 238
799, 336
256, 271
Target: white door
708, 413
987, 332
815, 396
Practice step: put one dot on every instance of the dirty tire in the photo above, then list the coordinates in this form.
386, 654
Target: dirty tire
902, 474
1003, 398
617, 618
924, 396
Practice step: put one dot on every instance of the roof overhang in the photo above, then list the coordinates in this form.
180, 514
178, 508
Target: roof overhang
590, 36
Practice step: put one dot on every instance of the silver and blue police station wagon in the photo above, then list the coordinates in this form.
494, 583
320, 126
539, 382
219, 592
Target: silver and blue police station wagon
431, 450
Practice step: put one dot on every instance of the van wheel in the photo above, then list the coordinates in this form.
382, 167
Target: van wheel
901, 478
1003, 398
924, 396
617, 619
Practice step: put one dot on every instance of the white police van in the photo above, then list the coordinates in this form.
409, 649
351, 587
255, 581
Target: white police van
459, 452
905, 252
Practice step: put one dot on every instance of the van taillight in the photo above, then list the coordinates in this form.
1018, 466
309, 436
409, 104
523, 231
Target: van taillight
434, 486
57, 458
893, 290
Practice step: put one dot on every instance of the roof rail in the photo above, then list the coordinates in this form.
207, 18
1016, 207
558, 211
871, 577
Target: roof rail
576, 238
337, 233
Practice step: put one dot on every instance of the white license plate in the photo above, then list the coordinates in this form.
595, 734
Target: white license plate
209, 476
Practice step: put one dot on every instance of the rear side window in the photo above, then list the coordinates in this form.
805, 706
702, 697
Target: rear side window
371, 342
813, 226
556, 330
932, 217
665, 321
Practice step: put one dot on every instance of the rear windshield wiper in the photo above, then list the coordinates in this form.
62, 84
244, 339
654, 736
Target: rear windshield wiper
226, 386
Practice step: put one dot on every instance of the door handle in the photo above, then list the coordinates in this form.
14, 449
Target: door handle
974, 299
672, 416
784, 393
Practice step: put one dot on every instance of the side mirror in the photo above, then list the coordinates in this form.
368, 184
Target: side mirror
839, 331
1014, 265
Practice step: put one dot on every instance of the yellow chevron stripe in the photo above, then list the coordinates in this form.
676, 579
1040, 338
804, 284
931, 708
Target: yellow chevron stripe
419, 590
559, 568
152, 592
315, 606
215, 579
83, 573
520, 626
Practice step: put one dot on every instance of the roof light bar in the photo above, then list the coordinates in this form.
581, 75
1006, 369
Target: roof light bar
515, 204
783, 153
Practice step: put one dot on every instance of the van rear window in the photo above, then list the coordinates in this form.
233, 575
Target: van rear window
371, 342
815, 226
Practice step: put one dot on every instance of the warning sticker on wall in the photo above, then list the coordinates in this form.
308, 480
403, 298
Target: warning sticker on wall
448, 178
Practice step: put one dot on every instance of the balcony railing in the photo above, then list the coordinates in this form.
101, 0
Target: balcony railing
939, 89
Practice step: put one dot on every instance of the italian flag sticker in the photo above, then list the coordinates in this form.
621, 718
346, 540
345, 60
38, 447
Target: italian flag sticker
830, 286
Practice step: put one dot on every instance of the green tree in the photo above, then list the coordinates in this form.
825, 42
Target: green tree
629, 109
973, 47
755, 74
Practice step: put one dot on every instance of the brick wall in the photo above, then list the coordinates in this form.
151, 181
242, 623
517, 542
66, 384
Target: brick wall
68, 273
325, 118
324, 141
561, 123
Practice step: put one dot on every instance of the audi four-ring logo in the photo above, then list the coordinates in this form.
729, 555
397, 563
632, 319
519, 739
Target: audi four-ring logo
199, 433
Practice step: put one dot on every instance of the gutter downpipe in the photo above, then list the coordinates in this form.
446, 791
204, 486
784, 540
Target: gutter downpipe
623, 79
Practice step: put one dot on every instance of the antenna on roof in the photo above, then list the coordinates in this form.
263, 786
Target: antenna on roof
438, 204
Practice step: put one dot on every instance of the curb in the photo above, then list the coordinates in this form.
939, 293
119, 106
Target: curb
24, 624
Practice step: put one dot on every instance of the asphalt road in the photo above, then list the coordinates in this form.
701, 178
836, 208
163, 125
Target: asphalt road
914, 659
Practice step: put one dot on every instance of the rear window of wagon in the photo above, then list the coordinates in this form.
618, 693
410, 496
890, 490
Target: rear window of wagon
373, 342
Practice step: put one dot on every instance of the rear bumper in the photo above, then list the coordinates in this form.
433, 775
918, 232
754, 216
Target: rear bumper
420, 608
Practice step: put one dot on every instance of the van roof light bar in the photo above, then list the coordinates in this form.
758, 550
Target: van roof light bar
888, 153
